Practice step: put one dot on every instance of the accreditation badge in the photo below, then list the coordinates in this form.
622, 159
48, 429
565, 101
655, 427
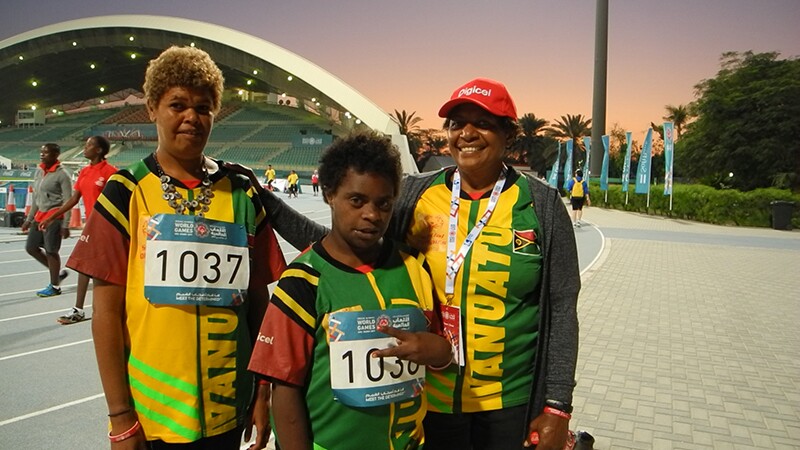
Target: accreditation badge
190, 260
451, 324
358, 379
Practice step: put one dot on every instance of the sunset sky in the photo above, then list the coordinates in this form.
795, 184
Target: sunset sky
412, 54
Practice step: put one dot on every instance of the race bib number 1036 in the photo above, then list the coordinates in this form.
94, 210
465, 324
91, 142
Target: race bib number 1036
358, 379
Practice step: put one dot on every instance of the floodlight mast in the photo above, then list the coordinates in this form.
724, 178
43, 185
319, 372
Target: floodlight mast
600, 81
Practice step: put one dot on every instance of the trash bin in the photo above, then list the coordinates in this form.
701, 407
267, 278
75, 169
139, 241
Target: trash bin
17, 218
11, 219
782, 214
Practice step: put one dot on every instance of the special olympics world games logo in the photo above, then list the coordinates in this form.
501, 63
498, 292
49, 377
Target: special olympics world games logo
383, 321
201, 230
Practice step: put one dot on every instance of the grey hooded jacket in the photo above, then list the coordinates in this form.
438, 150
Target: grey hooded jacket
51, 190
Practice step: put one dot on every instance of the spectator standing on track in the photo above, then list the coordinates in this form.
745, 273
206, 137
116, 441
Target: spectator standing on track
181, 253
578, 197
270, 175
292, 181
91, 181
323, 307
315, 182
52, 187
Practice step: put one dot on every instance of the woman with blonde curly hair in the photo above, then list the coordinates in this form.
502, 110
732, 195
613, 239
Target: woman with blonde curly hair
177, 297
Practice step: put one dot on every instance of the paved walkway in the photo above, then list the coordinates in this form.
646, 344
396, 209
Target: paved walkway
689, 336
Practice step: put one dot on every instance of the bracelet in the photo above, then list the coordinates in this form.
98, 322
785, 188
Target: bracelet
263, 382
452, 358
557, 412
561, 406
125, 434
124, 411
441, 367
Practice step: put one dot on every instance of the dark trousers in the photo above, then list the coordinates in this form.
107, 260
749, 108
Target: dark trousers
232, 440
503, 429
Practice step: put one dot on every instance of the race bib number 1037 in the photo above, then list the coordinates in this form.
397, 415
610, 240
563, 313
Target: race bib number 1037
190, 260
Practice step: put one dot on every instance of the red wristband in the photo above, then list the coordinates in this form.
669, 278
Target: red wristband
125, 434
557, 412
262, 382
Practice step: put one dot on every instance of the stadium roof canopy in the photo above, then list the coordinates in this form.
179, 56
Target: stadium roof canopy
52, 66
70, 65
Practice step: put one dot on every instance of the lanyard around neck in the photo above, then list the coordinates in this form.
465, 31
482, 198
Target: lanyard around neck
455, 260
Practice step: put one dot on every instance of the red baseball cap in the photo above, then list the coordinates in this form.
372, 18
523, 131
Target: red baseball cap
489, 94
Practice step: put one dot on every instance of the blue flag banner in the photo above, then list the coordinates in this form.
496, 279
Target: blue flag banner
669, 144
626, 165
587, 145
604, 170
554, 171
568, 164
643, 172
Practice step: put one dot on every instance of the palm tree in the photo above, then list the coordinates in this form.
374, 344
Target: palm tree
538, 150
408, 123
679, 116
532, 125
659, 129
408, 127
572, 127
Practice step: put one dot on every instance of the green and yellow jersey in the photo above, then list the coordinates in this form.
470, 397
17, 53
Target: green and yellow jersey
186, 363
498, 294
294, 344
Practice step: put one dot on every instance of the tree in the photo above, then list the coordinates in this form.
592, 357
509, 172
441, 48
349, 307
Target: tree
433, 143
408, 127
435, 138
679, 116
658, 129
532, 146
408, 122
573, 127
617, 145
747, 127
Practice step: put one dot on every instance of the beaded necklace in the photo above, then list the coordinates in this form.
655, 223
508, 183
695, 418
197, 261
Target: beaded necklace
199, 205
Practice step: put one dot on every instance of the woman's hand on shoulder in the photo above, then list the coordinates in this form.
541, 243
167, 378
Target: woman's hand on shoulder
246, 171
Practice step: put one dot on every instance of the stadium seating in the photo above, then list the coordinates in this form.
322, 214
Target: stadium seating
251, 134
129, 114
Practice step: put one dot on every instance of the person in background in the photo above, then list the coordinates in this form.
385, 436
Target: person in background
270, 175
578, 197
315, 182
320, 313
292, 180
508, 276
51, 189
180, 253
91, 181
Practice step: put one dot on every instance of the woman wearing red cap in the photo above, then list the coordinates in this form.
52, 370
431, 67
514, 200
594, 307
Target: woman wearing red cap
503, 258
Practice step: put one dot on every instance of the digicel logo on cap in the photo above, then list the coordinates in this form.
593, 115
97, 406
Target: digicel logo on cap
474, 90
